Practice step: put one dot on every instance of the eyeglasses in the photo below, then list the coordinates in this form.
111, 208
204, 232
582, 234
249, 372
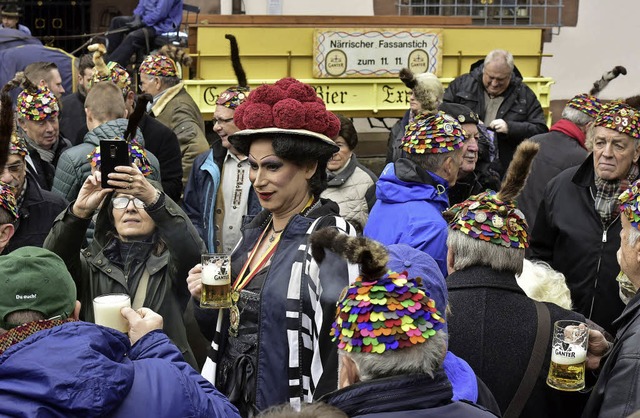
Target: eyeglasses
122, 202
14, 168
221, 121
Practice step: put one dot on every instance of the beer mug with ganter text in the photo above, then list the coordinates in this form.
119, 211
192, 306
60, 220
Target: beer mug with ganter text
216, 281
568, 355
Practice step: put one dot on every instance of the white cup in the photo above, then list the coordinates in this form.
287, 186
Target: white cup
106, 311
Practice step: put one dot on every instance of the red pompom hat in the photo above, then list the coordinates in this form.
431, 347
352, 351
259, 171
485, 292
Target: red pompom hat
286, 107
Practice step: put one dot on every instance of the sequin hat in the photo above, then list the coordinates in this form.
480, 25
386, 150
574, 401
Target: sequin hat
431, 133
587, 104
619, 117
630, 204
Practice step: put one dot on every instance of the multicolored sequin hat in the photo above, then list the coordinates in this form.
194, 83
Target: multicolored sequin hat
286, 107
382, 310
630, 204
431, 133
159, 65
494, 217
37, 102
619, 117
587, 104
137, 154
17, 145
8, 200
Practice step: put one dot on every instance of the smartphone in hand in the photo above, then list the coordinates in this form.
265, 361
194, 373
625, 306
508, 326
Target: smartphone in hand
113, 152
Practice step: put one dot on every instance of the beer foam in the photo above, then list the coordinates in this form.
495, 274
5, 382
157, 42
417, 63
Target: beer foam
115, 298
573, 355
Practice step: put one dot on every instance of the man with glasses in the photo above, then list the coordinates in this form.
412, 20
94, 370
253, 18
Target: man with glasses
37, 208
229, 194
495, 91
37, 110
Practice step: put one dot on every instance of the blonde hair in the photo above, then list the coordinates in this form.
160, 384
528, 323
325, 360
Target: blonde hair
105, 102
542, 283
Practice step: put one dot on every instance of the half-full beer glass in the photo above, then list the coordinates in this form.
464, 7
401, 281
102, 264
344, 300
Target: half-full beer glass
568, 355
216, 281
106, 311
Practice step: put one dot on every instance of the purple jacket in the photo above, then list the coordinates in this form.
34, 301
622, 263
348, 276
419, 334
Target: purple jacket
161, 15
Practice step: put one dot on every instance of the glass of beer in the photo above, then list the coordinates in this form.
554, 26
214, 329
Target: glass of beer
568, 355
216, 281
106, 311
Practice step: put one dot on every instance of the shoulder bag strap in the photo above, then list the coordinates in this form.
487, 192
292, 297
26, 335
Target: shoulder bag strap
141, 291
535, 363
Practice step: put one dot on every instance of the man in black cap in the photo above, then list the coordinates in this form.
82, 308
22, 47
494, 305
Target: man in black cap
10, 17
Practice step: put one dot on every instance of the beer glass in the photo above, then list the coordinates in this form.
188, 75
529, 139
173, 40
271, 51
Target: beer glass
216, 281
106, 311
568, 355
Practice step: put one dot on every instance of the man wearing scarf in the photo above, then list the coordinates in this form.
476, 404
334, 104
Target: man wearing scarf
37, 111
577, 229
562, 147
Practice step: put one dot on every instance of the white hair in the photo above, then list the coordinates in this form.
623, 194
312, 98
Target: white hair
470, 251
500, 55
542, 283
423, 358
591, 133
576, 116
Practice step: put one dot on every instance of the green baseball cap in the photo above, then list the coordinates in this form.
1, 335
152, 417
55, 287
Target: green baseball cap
35, 279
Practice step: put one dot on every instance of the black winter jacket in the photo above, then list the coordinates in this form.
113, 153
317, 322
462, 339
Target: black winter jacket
520, 109
43, 171
403, 396
570, 236
558, 151
493, 327
73, 118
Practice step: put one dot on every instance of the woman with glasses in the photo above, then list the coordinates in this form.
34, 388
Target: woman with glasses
143, 246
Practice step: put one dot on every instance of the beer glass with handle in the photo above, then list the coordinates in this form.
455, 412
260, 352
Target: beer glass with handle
568, 355
216, 281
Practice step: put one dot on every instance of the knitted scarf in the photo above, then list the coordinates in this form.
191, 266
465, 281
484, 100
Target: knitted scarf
46, 154
570, 129
22, 332
607, 192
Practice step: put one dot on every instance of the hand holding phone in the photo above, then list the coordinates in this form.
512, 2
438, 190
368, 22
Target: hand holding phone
113, 153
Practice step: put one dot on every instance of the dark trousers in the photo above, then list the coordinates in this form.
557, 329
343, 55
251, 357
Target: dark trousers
122, 45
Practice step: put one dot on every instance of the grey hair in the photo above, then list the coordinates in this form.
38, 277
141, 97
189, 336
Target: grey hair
590, 136
576, 116
500, 55
469, 252
633, 236
169, 82
425, 358
433, 162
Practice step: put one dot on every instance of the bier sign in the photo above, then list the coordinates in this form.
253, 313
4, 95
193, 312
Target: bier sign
346, 53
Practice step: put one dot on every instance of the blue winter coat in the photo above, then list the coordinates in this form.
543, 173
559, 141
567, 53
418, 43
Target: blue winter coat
199, 199
161, 15
78, 369
409, 210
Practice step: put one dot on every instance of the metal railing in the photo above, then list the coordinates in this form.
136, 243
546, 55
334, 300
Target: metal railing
545, 13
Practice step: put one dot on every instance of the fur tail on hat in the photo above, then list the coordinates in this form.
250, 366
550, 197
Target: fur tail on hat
370, 254
408, 78
235, 61
6, 117
136, 116
20, 79
518, 170
99, 50
178, 55
599, 85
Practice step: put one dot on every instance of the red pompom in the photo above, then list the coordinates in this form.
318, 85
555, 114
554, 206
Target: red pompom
333, 126
267, 94
302, 92
257, 115
239, 114
289, 114
285, 83
316, 117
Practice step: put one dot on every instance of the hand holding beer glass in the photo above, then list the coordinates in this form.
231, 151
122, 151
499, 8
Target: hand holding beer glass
216, 281
106, 311
568, 355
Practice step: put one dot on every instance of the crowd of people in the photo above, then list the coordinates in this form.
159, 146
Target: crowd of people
439, 313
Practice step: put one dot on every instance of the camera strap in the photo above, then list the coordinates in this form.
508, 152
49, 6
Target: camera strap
534, 367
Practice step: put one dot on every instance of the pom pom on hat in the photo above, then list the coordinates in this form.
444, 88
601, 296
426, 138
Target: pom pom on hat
432, 134
619, 117
284, 108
